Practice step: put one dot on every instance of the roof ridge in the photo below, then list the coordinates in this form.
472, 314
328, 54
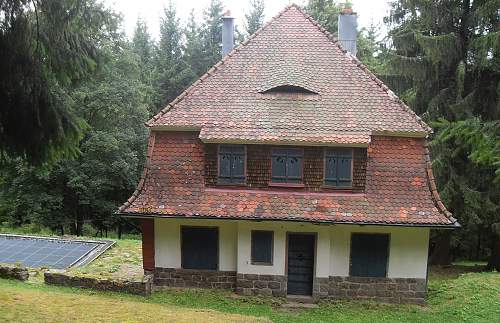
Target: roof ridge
216, 66
363, 67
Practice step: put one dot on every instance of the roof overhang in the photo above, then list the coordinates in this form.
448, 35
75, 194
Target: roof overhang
453, 225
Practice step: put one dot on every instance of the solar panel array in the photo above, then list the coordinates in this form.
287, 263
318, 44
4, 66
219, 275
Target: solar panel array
40, 252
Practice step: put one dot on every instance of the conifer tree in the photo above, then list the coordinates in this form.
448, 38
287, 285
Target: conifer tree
46, 47
449, 50
173, 74
254, 18
194, 53
212, 31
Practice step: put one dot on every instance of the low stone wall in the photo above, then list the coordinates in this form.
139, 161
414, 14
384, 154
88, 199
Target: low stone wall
253, 284
389, 290
194, 278
14, 272
132, 287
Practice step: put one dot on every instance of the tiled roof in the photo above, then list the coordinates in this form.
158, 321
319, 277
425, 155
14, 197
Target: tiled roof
399, 189
226, 104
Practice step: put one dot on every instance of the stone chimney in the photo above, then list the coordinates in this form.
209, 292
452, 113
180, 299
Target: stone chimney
227, 33
348, 29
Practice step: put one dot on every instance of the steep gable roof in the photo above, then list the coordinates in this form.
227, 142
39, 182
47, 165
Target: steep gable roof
227, 104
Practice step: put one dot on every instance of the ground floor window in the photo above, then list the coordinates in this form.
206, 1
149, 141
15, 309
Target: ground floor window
199, 248
262, 247
369, 255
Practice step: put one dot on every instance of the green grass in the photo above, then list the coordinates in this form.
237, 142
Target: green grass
122, 261
24, 302
470, 297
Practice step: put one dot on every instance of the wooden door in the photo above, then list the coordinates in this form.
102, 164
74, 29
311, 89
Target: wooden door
300, 263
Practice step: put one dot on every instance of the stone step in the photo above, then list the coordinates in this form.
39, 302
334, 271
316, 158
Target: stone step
300, 299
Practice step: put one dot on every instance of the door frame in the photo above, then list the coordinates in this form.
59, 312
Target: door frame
315, 236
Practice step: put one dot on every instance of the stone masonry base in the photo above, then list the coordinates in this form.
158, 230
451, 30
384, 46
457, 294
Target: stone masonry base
194, 278
388, 290
268, 285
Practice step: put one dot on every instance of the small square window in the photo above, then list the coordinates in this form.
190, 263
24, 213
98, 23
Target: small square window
262, 247
338, 167
231, 164
287, 165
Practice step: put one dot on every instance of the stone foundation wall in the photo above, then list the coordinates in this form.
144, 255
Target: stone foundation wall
389, 290
268, 285
14, 272
194, 278
133, 287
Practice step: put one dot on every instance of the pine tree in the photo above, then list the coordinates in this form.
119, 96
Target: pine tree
194, 53
325, 12
143, 46
255, 18
449, 50
45, 48
212, 31
173, 74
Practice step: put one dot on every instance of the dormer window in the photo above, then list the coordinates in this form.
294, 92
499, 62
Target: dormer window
231, 164
338, 167
287, 166
288, 89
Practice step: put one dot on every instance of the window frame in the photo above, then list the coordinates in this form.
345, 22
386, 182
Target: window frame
262, 263
287, 184
336, 187
216, 228
244, 182
388, 252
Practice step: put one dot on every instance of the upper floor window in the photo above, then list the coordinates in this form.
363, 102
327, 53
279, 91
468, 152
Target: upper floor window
287, 165
338, 167
231, 164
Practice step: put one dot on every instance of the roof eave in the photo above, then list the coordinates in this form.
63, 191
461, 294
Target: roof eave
452, 225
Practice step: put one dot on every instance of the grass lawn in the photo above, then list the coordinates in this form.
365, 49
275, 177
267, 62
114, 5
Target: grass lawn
456, 294
21, 302
470, 297
122, 261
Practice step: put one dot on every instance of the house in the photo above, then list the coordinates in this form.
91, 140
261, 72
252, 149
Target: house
289, 169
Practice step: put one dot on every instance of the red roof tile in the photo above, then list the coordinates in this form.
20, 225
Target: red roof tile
226, 104
397, 188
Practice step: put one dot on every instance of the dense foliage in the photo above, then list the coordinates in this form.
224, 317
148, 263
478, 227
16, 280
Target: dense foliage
449, 51
72, 138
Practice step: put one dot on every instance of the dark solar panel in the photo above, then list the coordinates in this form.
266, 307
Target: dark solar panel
38, 252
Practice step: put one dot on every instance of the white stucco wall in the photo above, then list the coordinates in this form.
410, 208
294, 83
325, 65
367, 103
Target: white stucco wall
407, 254
168, 242
279, 253
408, 248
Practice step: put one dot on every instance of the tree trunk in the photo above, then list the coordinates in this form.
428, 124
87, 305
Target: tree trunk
494, 261
441, 251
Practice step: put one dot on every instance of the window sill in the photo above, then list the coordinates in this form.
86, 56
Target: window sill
231, 184
337, 189
261, 263
292, 185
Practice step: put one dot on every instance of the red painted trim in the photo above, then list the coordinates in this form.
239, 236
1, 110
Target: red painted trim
291, 185
148, 244
283, 192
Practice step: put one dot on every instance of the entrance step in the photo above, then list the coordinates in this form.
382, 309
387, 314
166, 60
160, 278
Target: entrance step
300, 301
